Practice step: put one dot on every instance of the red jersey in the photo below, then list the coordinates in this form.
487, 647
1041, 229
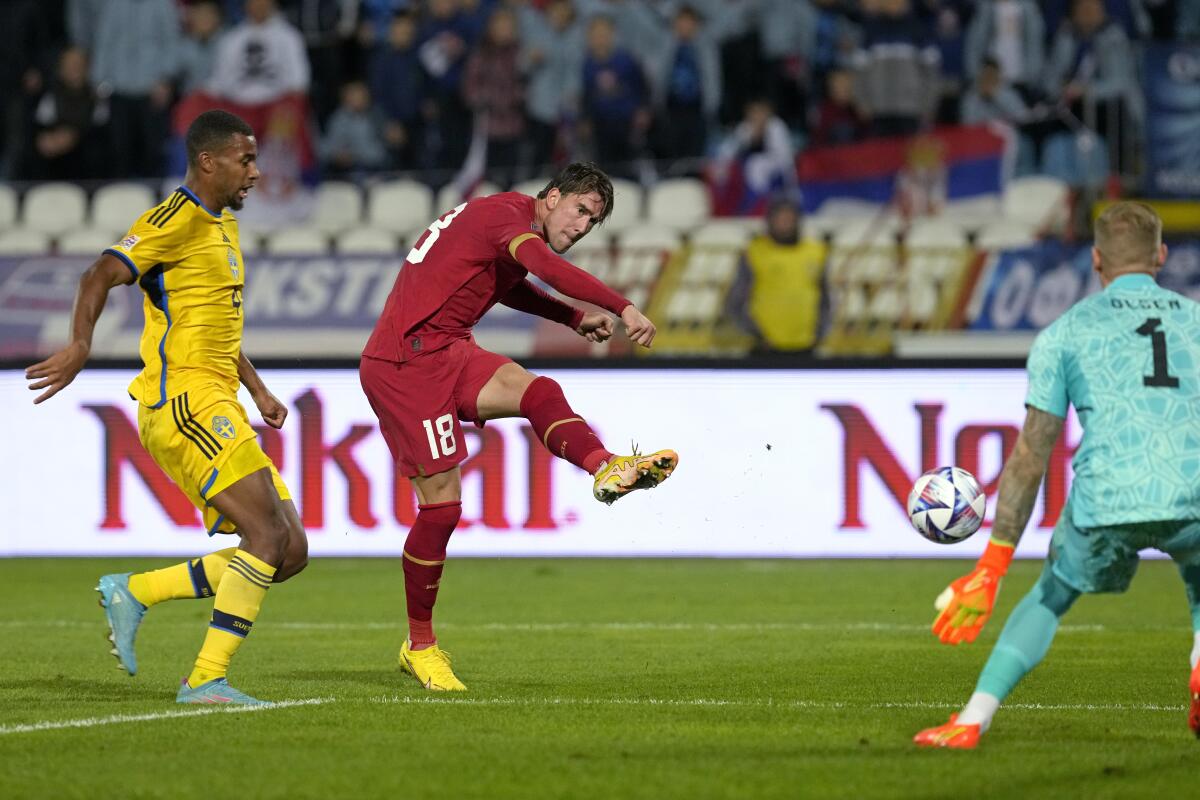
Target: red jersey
465, 263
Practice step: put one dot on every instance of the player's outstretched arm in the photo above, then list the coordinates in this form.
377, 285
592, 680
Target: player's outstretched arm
594, 326
56, 372
272, 410
967, 603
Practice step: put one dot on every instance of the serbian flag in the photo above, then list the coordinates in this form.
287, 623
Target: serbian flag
965, 161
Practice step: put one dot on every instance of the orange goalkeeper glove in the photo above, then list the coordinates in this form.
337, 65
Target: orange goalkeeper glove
967, 603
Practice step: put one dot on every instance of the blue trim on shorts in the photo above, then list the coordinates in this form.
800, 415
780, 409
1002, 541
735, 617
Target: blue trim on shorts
216, 525
204, 492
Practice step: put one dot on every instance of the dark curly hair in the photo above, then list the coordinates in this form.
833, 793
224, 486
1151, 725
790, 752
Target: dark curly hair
582, 177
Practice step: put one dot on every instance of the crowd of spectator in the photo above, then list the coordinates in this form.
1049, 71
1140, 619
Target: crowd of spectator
97, 88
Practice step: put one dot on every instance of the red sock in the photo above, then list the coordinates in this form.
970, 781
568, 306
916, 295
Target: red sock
424, 557
562, 431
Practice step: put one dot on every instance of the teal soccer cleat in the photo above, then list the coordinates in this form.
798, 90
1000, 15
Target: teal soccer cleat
215, 692
124, 614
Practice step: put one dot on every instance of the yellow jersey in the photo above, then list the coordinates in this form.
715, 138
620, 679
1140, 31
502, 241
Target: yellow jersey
187, 260
785, 300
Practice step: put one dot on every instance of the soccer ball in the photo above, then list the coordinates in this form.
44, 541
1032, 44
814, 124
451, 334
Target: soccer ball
946, 505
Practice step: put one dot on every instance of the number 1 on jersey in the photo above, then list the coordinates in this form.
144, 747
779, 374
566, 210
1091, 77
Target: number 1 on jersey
1158, 344
418, 253
444, 426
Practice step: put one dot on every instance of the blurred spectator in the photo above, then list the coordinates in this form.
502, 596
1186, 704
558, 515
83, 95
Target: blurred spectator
614, 100
134, 45
1130, 15
776, 296
354, 140
493, 90
260, 60
25, 36
324, 26
397, 82
1091, 63
835, 38
551, 58
66, 119
1010, 33
445, 40
759, 154
198, 50
838, 118
897, 79
686, 76
991, 99
1188, 20
787, 32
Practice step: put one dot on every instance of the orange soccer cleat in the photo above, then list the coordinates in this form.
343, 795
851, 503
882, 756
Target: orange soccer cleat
959, 737
623, 474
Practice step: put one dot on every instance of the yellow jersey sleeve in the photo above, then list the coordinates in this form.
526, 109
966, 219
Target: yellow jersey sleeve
154, 237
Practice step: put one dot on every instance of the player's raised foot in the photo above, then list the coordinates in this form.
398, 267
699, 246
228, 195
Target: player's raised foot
959, 737
215, 692
124, 614
1194, 707
431, 667
623, 474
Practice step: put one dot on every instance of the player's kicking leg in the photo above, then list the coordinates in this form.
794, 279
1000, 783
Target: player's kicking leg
271, 536
1022, 645
512, 391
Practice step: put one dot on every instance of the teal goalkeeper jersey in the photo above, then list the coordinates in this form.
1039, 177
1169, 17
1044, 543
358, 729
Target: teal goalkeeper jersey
1126, 359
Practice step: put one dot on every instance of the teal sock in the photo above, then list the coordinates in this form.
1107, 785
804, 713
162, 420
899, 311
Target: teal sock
1027, 635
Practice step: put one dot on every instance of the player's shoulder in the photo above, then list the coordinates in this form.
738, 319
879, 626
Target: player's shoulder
514, 203
172, 214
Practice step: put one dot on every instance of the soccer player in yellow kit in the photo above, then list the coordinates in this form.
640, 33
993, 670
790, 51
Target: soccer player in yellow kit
184, 255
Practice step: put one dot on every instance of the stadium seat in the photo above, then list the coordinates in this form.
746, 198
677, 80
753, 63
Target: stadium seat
530, 187
24, 242
337, 206
722, 233
449, 196
400, 205
860, 231
594, 254
935, 232
1006, 234
848, 207
628, 199
711, 266
679, 204
972, 213
118, 205
368, 241
296, 242
53, 208
8, 207
642, 253
89, 241
1037, 200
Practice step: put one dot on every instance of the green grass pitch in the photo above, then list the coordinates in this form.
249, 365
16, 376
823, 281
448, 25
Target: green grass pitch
594, 679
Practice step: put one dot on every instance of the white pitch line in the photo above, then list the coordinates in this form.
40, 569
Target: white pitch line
117, 719
544, 627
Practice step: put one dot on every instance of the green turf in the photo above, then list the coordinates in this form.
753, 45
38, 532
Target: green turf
591, 679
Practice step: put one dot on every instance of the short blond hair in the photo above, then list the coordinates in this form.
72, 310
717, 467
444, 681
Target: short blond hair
1128, 234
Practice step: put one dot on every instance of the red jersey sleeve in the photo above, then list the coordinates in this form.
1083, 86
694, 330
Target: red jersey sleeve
532, 300
532, 253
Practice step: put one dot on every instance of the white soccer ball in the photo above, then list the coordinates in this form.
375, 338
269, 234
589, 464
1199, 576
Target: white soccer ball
946, 505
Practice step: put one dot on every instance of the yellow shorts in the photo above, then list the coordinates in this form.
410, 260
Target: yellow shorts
203, 440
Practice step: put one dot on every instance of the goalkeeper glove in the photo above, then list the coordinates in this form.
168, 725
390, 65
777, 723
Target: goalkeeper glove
967, 603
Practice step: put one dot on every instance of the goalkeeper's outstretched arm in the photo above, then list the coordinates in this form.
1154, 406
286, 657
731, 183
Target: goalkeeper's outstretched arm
967, 603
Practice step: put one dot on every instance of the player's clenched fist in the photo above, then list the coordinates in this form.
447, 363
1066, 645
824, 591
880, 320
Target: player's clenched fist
967, 603
638, 327
595, 327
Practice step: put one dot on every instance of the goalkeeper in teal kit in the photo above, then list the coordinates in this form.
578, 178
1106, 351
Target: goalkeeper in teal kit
1128, 360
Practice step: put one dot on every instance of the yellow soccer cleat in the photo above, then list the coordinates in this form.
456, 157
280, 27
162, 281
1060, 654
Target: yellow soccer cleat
431, 668
623, 474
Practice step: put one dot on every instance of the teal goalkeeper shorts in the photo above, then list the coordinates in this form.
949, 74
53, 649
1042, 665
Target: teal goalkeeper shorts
1105, 558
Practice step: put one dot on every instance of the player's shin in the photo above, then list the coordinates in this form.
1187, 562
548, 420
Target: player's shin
563, 432
1022, 645
238, 600
424, 558
193, 579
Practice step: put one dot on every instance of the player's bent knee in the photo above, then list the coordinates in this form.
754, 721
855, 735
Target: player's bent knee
1056, 595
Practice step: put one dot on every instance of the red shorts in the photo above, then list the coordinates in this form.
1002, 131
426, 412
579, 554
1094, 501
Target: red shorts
420, 402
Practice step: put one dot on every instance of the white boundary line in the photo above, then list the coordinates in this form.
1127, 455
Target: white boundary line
116, 719
567, 702
541, 627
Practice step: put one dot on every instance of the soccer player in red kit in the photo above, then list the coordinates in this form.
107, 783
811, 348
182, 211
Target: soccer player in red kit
422, 371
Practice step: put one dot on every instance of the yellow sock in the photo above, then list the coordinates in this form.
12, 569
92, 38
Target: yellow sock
189, 580
243, 587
